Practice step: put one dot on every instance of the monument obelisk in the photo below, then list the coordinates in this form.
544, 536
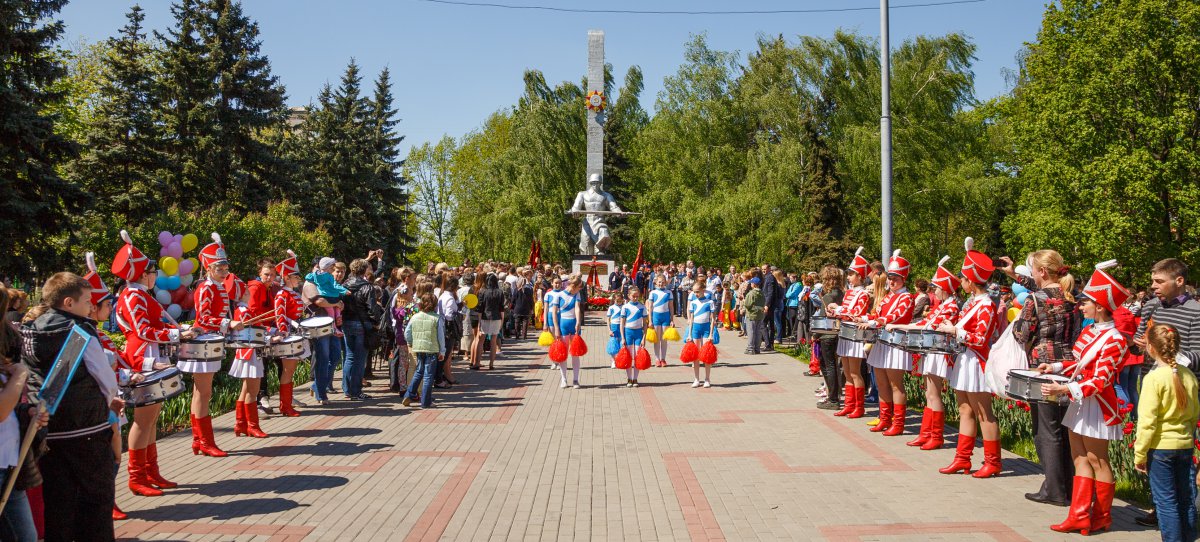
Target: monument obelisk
596, 257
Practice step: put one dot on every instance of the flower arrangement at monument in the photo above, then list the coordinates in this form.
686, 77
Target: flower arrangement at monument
598, 303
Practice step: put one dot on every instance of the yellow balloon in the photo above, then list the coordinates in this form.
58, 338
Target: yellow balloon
470, 300
189, 242
195, 265
1013, 314
168, 265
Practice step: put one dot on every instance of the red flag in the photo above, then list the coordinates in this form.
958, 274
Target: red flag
637, 262
533, 250
593, 276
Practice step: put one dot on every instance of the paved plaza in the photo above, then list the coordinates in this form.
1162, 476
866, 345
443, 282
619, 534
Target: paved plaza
508, 455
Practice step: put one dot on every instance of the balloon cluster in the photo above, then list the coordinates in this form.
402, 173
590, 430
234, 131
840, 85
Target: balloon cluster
1020, 294
175, 272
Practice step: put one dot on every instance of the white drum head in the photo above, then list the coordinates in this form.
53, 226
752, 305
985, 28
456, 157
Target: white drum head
316, 321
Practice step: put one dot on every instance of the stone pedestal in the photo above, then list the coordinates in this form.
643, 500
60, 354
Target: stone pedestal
581, 263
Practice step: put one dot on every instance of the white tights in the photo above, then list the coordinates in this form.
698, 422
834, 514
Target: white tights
660, 347
632, 371
562, 368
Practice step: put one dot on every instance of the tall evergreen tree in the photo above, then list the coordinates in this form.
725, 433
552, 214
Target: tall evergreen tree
123, 163
187, 93
385, 145
37, 204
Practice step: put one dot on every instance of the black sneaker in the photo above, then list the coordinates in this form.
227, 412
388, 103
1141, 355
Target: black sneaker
1148, 520
829, 405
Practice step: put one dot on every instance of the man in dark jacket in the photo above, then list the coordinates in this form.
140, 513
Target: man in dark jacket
77, 469
362, 313
773, 298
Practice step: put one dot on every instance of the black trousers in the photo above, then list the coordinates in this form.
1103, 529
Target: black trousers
1053, 449
834, 379
769, 330
269, 362
78, 488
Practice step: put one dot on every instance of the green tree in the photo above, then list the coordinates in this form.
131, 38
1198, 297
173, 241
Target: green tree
385, 145
122, 165
428, 167
187, 92
38, 205
1107, 133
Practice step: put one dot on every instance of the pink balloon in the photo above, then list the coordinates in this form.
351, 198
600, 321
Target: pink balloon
178, 239
175, 250
164, 252
164, 238
185, 266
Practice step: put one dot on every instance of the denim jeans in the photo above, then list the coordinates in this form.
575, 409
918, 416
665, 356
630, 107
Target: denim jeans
427, 363
1127, 389
1171, 487
322, 350
16, 522
337, 353
753, 328
356, 358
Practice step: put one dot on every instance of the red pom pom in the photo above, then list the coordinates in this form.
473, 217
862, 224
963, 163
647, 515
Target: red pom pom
643, 360
578, 347
558, 351
708, 354
689, 353
623, 359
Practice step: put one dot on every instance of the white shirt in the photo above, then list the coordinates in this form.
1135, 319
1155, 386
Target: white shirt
10, 437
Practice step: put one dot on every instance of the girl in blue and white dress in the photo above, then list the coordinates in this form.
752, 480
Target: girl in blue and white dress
615, 309
700, 327
661, 309
634, 319
549, 298
568, 315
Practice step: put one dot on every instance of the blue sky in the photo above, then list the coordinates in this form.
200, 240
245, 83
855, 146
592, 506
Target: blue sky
452, 66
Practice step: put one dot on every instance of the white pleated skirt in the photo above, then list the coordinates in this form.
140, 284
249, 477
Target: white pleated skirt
247, 368
198, 366
885, 356
1087, 419
967, 373
851, 349
936, 365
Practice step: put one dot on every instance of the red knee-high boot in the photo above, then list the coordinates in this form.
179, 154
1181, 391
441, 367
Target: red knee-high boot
285, 401
937, 431
239, 424
1079, 515
899, 412
860, 402
1102, 509
962, 456
848, 397
139, 480
885, 417
209, 444
991, 460
197, 436
252, 427
152, 469
923, 435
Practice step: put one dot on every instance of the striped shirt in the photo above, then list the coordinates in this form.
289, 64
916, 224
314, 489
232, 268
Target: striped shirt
1181, 313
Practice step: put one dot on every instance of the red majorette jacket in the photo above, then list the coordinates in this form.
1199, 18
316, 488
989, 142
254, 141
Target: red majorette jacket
288, 309
854, 304
140, 318
1098, 351
897, 308
944, 314
975, 325
213, 310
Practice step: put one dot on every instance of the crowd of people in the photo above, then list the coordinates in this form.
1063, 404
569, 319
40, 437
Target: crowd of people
1105, 342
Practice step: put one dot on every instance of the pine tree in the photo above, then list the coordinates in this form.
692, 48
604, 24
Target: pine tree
37, 204
186, 94
122, 167
385, 143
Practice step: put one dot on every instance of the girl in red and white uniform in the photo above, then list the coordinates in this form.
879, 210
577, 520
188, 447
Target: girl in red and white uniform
140, 318
289, 310
246, 366
214, 314
891, 363
1093, 417
973, 328
935, 367
854, 306
102, 307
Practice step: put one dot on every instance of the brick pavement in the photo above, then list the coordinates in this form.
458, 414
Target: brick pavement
507, 455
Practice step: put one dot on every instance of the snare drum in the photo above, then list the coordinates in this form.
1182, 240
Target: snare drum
316, 327
206, 347
857, 334
896, 338
933, 342
1026, 385
247, 337
819, 325
157, 387
294, 347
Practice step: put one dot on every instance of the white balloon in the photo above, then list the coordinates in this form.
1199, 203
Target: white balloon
186, 280
163, 297
1024, 270
174, 310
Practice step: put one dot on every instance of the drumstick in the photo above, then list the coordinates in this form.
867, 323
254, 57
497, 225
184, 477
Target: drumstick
262, 317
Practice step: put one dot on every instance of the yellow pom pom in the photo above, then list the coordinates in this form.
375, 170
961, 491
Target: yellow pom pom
545, 339
651, 336
671, 334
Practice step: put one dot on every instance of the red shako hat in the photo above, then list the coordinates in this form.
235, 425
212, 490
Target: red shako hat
943, 278
1105, 290
977, 266
99, 289
289, 266
129, 263
859, 264
897, 265
213, 252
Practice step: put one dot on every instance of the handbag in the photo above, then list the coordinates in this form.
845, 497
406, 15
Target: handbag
1006, 355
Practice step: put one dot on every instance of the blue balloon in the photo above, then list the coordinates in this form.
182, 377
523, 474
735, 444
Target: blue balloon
161, 283
1019, 290
1021, 297
172, 282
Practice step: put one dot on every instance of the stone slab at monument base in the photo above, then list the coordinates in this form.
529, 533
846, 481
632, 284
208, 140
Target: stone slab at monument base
582, 264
